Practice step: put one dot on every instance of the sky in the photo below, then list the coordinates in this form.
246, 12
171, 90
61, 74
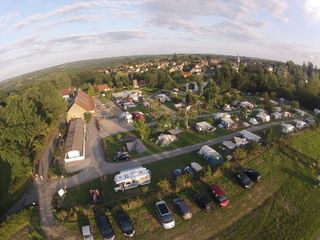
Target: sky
36, 34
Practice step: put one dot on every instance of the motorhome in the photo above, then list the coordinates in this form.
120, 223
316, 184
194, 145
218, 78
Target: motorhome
131, 178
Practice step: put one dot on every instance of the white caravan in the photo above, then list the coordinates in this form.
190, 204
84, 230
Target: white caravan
131, 178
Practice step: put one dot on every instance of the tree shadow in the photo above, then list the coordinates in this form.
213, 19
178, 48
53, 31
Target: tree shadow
299, 175
82, 219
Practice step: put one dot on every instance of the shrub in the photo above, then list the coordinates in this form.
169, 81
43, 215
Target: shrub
164, 186
183, 181
132, 204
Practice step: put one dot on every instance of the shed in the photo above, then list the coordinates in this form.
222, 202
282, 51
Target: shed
250, 136
75, 142
211, 156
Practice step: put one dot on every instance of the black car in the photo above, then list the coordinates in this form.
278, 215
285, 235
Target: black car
252, 174
122, 156
188, 170
203, 201
183, 208
125, 224
243, 179
105, 228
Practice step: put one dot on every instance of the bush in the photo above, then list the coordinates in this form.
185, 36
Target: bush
164, 186
209, 175
132, 204
183, 181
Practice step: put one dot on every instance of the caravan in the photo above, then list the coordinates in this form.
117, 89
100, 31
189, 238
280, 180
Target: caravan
131, 178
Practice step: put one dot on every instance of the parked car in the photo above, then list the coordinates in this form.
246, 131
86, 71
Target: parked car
125, 224
165, 215
219, 195
121, 156
203, 201
176, 173
105, 228
86, 232
196, 166
183, 208
252, 174
243, 179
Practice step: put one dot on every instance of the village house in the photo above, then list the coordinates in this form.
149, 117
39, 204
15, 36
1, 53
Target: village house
102, 87
80, 105
74, 146
66, 93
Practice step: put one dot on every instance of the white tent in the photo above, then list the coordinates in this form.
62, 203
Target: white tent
316, 111
240, 141
218, 116
204, 127
246, 104
227, 108
250, 136
212, 157
253, 121
263, 116
276, 115
300, 124
126, 116
164, 140
287, 128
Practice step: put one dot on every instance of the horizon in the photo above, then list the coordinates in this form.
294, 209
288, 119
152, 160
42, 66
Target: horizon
38, 35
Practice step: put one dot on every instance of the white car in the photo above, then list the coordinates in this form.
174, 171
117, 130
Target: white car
196, 166
86, 232
165, 215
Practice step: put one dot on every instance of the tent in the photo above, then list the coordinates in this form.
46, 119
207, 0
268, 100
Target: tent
250, 136
136, 146
287, 128
211, 156
218, 116
276, 115
227, 108
263, 116
240, 141
126, 116
253, 121
204, 127
229, 145
164, 140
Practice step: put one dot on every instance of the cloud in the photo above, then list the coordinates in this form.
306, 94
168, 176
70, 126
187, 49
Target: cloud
5, 19
76, 19
59, 11
312, 8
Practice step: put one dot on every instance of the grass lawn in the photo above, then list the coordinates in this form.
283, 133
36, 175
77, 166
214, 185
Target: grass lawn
308, 143
283, 206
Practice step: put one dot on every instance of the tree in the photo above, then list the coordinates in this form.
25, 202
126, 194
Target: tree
211, 93
191, 98
164, 122
121, 79
143, 129
273, 95
265, 96
164, 186
295, 104
87, 117
187, 113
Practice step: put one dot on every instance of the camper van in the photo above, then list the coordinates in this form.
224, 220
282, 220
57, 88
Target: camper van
131, 178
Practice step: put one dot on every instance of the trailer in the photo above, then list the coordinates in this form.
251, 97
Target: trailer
131, 178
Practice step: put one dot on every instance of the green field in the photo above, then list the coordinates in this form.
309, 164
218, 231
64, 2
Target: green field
308, 143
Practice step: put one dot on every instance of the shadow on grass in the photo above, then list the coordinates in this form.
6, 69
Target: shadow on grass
299, 175
82, 220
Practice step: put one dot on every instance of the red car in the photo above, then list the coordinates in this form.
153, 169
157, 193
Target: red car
219, 195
